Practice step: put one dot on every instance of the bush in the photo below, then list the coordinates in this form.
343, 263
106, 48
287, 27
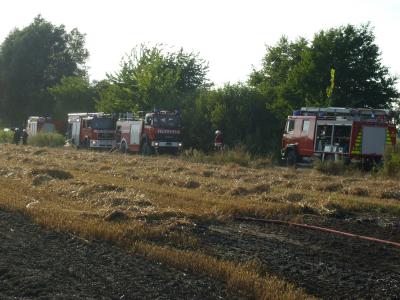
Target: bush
391, 166
47, 140
6, 136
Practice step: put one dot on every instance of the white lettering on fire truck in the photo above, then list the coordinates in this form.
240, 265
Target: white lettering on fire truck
168, 131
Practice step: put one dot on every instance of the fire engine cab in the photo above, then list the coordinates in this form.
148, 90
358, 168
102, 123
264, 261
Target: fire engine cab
43, 125
91, 130
158, 131
338, 133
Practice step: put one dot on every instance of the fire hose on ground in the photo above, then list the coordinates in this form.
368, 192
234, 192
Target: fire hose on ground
318, 228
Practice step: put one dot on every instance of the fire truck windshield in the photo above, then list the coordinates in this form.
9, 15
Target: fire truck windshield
102, 123
167, 121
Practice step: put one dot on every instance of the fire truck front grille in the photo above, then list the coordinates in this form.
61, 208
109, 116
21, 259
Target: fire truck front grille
168, 137
106, 136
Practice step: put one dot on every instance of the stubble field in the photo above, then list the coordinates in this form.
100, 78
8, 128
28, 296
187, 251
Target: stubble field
177, 219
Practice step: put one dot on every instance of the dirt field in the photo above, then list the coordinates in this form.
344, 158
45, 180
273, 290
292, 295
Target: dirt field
181, 214
324, 265
38, 263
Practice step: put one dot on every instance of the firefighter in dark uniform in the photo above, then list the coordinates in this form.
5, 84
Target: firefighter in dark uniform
17, 136
24, 137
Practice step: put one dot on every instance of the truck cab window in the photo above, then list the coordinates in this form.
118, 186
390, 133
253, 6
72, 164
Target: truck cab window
102, 123
306, 126
166, 121
289, 126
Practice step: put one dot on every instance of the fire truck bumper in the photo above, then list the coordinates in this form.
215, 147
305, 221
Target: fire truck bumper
101, 144
157, 144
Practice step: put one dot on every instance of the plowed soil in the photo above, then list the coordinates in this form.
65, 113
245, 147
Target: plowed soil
40, 264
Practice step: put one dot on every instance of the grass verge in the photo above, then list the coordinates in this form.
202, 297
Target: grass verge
238, 155
47, 140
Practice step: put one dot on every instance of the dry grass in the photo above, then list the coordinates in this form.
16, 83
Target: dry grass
151, 204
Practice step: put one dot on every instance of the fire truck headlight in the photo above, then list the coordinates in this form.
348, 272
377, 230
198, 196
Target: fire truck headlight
156, 144
179, 144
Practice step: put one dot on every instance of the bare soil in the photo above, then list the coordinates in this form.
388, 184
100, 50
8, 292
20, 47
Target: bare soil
36, 263
325, 265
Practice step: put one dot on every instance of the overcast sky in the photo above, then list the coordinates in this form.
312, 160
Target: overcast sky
230, 34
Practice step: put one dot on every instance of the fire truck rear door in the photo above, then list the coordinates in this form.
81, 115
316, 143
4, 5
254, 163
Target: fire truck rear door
373, 140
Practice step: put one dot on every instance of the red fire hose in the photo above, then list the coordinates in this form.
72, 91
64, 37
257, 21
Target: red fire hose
317, 228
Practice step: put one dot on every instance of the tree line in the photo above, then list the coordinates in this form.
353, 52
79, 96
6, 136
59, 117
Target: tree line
43, 72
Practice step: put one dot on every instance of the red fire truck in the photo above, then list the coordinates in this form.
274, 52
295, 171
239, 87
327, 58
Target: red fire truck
158, 131
338, 133
44, 125
91, 130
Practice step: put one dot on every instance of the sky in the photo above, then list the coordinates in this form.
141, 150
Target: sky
231, 35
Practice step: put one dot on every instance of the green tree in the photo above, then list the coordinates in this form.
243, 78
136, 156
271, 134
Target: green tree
300, 73
275, 79
240, 112
360, 78
150, 78
34, 59
72, 94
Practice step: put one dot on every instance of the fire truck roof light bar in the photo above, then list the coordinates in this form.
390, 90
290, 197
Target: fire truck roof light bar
36, 118
342, 111
96, 114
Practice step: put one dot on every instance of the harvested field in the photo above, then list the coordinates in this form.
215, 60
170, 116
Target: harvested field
38, 263
182, 214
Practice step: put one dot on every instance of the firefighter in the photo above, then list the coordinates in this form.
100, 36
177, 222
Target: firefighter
219, 141
17, 136
322, 138
24, 137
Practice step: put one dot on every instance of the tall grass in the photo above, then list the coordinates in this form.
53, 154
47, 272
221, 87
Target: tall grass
238, 155
47, 140
331, 167
391, 165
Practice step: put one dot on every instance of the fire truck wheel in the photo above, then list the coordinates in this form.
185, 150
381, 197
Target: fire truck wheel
291, 158
145, 149
86, 144
124, 148
329, 157
378, 162
367, 164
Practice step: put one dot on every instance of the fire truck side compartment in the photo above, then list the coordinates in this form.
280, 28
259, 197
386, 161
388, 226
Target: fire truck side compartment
136, 132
